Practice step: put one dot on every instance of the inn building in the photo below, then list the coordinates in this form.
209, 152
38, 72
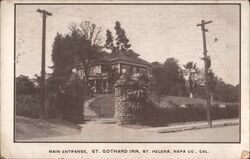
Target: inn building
122, 61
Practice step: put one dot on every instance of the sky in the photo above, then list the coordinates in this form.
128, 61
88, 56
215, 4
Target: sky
156, 32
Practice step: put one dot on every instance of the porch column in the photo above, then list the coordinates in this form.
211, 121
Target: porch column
119, 68
107, 86
102, 85
95, 85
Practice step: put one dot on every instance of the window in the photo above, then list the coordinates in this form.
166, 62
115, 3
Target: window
134, 70
104, 69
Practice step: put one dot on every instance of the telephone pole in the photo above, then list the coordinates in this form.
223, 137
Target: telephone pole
43, 88
206, 60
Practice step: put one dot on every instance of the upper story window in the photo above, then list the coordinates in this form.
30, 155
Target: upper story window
104, 69
95, 69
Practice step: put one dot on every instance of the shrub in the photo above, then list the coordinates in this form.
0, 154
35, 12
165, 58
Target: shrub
66, 99
191, 112
28, 105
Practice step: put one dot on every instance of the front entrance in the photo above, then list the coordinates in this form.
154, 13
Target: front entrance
100, 107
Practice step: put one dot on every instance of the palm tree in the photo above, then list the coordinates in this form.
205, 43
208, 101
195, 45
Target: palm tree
190, 73
136, 94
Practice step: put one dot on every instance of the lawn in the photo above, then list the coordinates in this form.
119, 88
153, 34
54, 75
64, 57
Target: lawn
167, 100
105, 104
28, 128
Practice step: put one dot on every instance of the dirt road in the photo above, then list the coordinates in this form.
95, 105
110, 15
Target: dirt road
99, 131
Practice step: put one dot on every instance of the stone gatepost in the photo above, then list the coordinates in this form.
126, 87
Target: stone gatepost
123, 114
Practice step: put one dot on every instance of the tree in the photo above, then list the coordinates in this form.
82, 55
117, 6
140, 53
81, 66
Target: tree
122, 42
226, 92
135, 93
174, 77
156, 64
168, 78
85, 44
62, 56
158, 81
219, 90
138, 94
236, 93
63, 61
76, 48
191, 71
109, 40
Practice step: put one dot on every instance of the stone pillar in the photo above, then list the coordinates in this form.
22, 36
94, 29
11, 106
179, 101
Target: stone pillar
123, 114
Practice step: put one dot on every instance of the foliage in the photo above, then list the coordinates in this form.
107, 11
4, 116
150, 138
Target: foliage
72, 97
191, 72
63, 61
28, 105
109, 40
138, 92
24, 85
156, 64
190, 112
212, 81
62, 56
55, 88
66, 100
122, 41
226, 92
76, 48
168, 78
219, 90
74, 87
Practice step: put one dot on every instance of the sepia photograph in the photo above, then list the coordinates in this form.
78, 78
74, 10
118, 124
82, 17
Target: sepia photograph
127, 73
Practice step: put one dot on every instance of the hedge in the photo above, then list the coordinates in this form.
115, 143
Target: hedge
28, 105
156, 115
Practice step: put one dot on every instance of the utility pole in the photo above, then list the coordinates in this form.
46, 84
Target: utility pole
206, 60
43, 88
